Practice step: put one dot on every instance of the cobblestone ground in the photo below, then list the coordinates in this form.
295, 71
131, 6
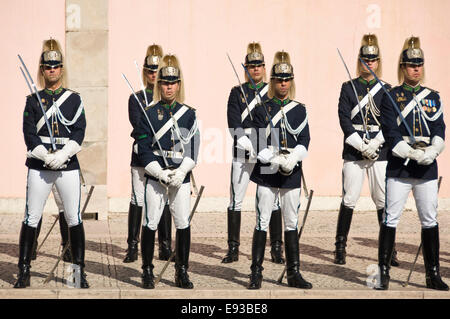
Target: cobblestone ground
109, 277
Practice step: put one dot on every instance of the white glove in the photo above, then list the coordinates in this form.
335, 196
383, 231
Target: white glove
372, 148
155, 170
356, 141
403, 150
277, 161
297, 155
179, 174
265, 155
61, 156
41, 153
432, 151
244, 143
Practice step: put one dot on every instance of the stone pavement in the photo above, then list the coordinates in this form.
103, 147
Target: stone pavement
110, 278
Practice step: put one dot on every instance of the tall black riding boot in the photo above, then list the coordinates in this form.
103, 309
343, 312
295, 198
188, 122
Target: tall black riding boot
394, 260
77, 244
342, 229
294, 278
35, 242
182, 246
27, 238
165, 234
134, 226
430, 241
64, 229
386, 241
147, 251
276, 243
234, 230
258, 248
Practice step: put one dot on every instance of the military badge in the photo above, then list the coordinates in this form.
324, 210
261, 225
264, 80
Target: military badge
401, 97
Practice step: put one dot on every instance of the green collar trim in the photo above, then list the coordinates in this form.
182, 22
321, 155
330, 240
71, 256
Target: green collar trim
410, 88
149, 91
365, 82
258, 86
169, 107
280, 102
50, 92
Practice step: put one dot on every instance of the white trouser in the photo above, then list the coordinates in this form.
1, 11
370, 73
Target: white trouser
240, 177
425, 194
156, 198
289, 202
58, 199
353, 179
39, 185
137, 186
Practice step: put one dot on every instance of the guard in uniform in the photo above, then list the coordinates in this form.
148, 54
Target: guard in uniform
412, 161
168, 149
240, 123
283, 138
364, 152
46, 168
154, 54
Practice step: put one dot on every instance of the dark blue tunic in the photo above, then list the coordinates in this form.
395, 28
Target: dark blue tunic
347, 102
296, 116
394, 133
236, 107
33, 114
134, 114
158, 115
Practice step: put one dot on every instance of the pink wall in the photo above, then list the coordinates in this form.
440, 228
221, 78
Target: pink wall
24, 25
201, 32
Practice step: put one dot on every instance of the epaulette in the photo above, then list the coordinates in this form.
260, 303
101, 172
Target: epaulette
149, 106
73, 91
434, 91
190, 107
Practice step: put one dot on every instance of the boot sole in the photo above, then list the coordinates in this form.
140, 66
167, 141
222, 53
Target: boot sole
431, 286
27, 284
227, 260
179, 285
129, 259
300, 286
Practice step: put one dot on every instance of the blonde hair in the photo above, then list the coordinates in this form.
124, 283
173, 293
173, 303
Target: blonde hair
369, 39
254, 47
409, 42
169, 60
51, 45
153, 49
281, 56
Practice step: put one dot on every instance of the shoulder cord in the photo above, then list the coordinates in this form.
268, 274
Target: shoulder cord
288, 126
192, 131
372, 107
65, 121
